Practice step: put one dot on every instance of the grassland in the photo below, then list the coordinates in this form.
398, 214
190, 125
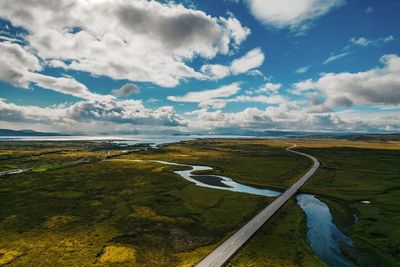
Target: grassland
351, 172
280, 242
92, 213
107, 213
352, 175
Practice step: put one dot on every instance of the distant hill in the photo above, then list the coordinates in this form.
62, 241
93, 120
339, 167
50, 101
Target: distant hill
268, 133
8, 132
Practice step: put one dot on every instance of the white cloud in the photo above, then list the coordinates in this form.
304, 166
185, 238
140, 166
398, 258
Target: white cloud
255, 73
127, 89
335, 57
116, 111
221, 103
200, 96
220, 97
302, 87
362, 41
302, 70
215, 71
138, 40
269, 88
283, 117
20, 68
237, 31
296, 15
251, 60
380, 85
291, 116
245, 64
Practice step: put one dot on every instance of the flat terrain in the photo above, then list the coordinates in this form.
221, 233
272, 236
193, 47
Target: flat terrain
69, 212
351, 172
231, 246
99, 213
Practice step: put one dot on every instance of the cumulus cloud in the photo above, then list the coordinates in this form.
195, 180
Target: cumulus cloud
269, 88
118, 111
249, 62
296, 15
139, 40
237, 31
215, 71
291, 116
302, 87
285, 116
126, 90
380, 85
20, 68
220, 97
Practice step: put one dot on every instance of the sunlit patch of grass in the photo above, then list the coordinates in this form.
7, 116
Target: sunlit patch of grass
8, 255
118, 254
169, 221
58, 221
39, 169
148, 213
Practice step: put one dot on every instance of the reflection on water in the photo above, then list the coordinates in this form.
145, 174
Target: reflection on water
323, 235
231, 185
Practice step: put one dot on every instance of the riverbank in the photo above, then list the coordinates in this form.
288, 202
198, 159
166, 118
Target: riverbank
170, 222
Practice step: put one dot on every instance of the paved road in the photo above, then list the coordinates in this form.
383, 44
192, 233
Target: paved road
229, 248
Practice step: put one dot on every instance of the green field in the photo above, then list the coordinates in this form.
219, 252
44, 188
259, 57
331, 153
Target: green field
351, 172
68, 212
86, 214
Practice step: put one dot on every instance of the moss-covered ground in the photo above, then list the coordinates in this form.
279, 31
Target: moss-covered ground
73, 212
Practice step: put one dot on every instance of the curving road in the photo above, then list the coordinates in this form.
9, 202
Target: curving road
232, 245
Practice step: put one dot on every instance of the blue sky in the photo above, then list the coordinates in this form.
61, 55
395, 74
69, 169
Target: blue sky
200, 66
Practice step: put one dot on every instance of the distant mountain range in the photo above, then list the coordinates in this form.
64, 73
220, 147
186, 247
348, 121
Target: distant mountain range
8, 132
229, 132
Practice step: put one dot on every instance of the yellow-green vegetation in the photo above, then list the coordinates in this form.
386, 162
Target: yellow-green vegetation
85, 214
351, 172
98, 212
280, 242
351, 175
254, 162
43, 156
58, 221
7, 256
118, 254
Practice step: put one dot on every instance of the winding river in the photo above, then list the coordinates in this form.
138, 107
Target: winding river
323, 236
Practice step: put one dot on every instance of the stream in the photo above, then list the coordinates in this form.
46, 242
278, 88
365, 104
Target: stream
323, 236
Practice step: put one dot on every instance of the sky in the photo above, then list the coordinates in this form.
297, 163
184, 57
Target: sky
200, 65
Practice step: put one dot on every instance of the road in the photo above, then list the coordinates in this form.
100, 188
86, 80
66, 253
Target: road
232, 245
